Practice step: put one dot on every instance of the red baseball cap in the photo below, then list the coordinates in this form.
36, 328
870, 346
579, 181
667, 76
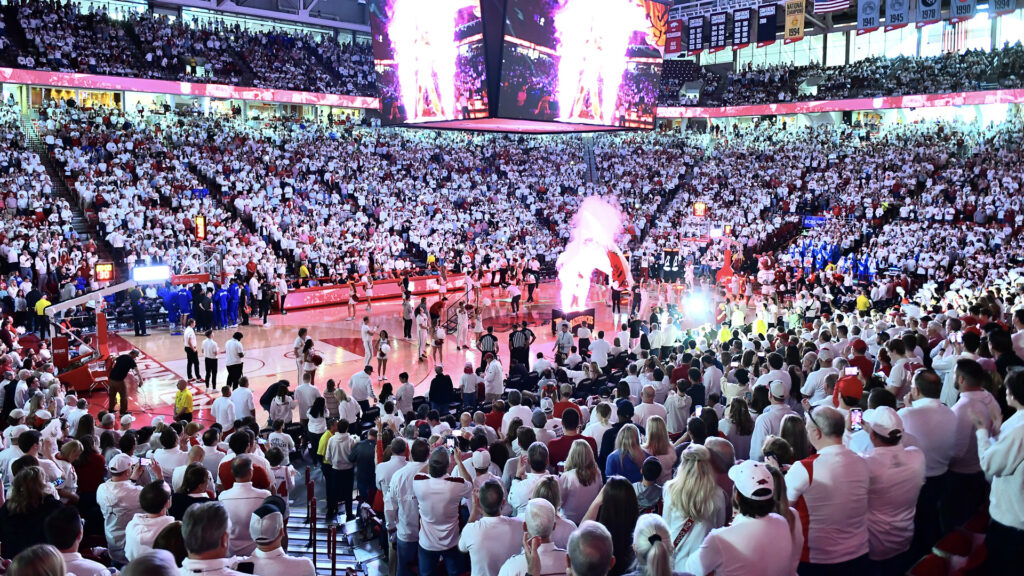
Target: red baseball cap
850, 386
859, 346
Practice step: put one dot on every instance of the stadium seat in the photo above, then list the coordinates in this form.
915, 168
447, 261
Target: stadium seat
956, 543
930, 565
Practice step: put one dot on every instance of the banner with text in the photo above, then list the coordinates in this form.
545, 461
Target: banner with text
928, 12
767, 24
961, 10
718, 37
897, 14
695, 34
794, 20
674, 38
867, 16
741, 28
1001, 7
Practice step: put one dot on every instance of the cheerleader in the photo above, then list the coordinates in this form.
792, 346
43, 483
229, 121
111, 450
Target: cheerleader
437, 352
461, 327
442, 282
478, 326
368, 288
309, 361
353, 297
383, 350
478, 289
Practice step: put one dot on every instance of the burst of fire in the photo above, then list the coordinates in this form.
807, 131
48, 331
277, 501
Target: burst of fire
423, 39
594, 228
593, 40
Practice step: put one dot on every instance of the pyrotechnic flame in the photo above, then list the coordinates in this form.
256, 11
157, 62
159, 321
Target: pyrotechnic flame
595, 227
423, 39
593, 40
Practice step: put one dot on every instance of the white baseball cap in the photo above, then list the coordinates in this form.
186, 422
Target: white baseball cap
883, 420
481, 459
120, 463
14, 431
751, 479
266, 523
127, 420
778, 389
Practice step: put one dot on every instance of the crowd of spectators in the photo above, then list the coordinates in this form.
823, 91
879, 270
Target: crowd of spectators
189, 53
699, 436
63, 38
66, 37
870, 77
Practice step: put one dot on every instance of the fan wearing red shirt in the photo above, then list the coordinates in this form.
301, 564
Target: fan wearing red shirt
494, 417
558, 449
860, 361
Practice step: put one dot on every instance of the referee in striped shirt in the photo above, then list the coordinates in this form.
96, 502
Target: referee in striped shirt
519, 342
487, 343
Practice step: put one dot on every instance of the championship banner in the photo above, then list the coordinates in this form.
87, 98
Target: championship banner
1001, 7
962, 10
694, 35
928, 12
794, 21
897, 14
867, 16
767, 22
741, 28
719, 33
674, 38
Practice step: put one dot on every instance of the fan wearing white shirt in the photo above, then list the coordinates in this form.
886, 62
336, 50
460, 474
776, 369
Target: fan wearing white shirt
540, 523
1002, 459
489, 537
648, 408
752, 543
934, 425
223, 410
142, 530
897, 474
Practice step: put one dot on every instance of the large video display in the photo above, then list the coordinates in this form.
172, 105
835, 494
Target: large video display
583, 61
429, 57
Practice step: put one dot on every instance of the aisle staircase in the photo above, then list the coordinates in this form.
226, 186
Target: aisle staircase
588, 154
81, 224
333, 547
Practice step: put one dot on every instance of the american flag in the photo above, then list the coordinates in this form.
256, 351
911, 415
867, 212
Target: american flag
823, 6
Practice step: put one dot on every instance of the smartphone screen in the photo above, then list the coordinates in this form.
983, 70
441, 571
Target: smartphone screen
58, 482
449, 443
851, 371
145, 461
261, 441
856, 420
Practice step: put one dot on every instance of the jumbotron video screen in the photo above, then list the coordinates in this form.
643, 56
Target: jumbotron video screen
429, 58
583, 61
